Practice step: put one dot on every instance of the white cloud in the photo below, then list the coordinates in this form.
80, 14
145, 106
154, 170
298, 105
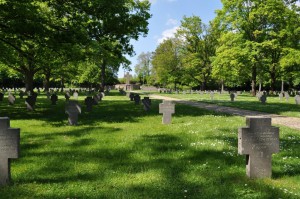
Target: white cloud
172, 22
166, 34
298, 3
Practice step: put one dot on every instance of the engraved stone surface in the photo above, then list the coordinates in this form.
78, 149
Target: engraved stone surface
73, 109
9, 148
258, 141
167, 108
147, 103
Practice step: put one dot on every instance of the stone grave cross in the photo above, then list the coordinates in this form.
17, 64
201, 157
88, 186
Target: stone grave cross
258, 141
127, 77
167, 109
73, 109
9, 148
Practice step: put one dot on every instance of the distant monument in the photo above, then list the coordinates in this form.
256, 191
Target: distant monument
127, 78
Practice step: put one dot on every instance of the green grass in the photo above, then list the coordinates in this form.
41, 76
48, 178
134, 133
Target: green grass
246, 101
120, 151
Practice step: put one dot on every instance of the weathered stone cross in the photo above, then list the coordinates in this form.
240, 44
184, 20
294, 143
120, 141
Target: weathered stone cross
73, 109
9, 148
127, 76
258, 141
167, 109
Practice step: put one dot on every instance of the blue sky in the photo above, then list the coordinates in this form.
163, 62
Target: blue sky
166, 17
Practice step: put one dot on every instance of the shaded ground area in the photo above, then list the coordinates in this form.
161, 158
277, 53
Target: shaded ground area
291, 122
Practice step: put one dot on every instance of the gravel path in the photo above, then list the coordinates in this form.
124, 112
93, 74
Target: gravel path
291, 122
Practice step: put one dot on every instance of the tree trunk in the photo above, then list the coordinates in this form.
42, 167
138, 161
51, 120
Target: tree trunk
29, 80
273, 79
222, 86
103, 66
47, 81
282, 86
253, 81
259, 88
62, 84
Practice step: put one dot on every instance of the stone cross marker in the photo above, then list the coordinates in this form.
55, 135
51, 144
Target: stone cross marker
54, 99
127, 77
131, 96
297, 99
30, 103
258, 141
67, 96
211, 95
11, 99
280, 96
89, 102
287, 96
9, 148
73, 109
167, 109
232, 96
147, 103
75, 95
137, 99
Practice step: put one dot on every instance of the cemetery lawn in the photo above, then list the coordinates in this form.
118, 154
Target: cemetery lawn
247, 102
120, 151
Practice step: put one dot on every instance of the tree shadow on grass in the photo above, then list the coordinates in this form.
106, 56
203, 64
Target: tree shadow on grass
110, 111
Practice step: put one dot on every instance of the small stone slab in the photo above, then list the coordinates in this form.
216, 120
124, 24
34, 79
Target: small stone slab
75, 95
9, 148
67, 96
263, 98
11, 99
73, 109
258, 141
232, 97
54, 99
137, 99
131, 96
287, 96
147, 103
167, 108
30, 103
212, 95
89, 102
297, 99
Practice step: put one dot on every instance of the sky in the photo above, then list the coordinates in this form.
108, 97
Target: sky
166, 17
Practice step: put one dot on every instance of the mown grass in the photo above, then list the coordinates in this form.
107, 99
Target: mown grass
121, 151
246, 101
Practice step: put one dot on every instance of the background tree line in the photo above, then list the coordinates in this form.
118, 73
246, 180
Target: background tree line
250, 43
81, 41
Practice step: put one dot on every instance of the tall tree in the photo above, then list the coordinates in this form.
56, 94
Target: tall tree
263, 26
143, 68
166, 63
198, 47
